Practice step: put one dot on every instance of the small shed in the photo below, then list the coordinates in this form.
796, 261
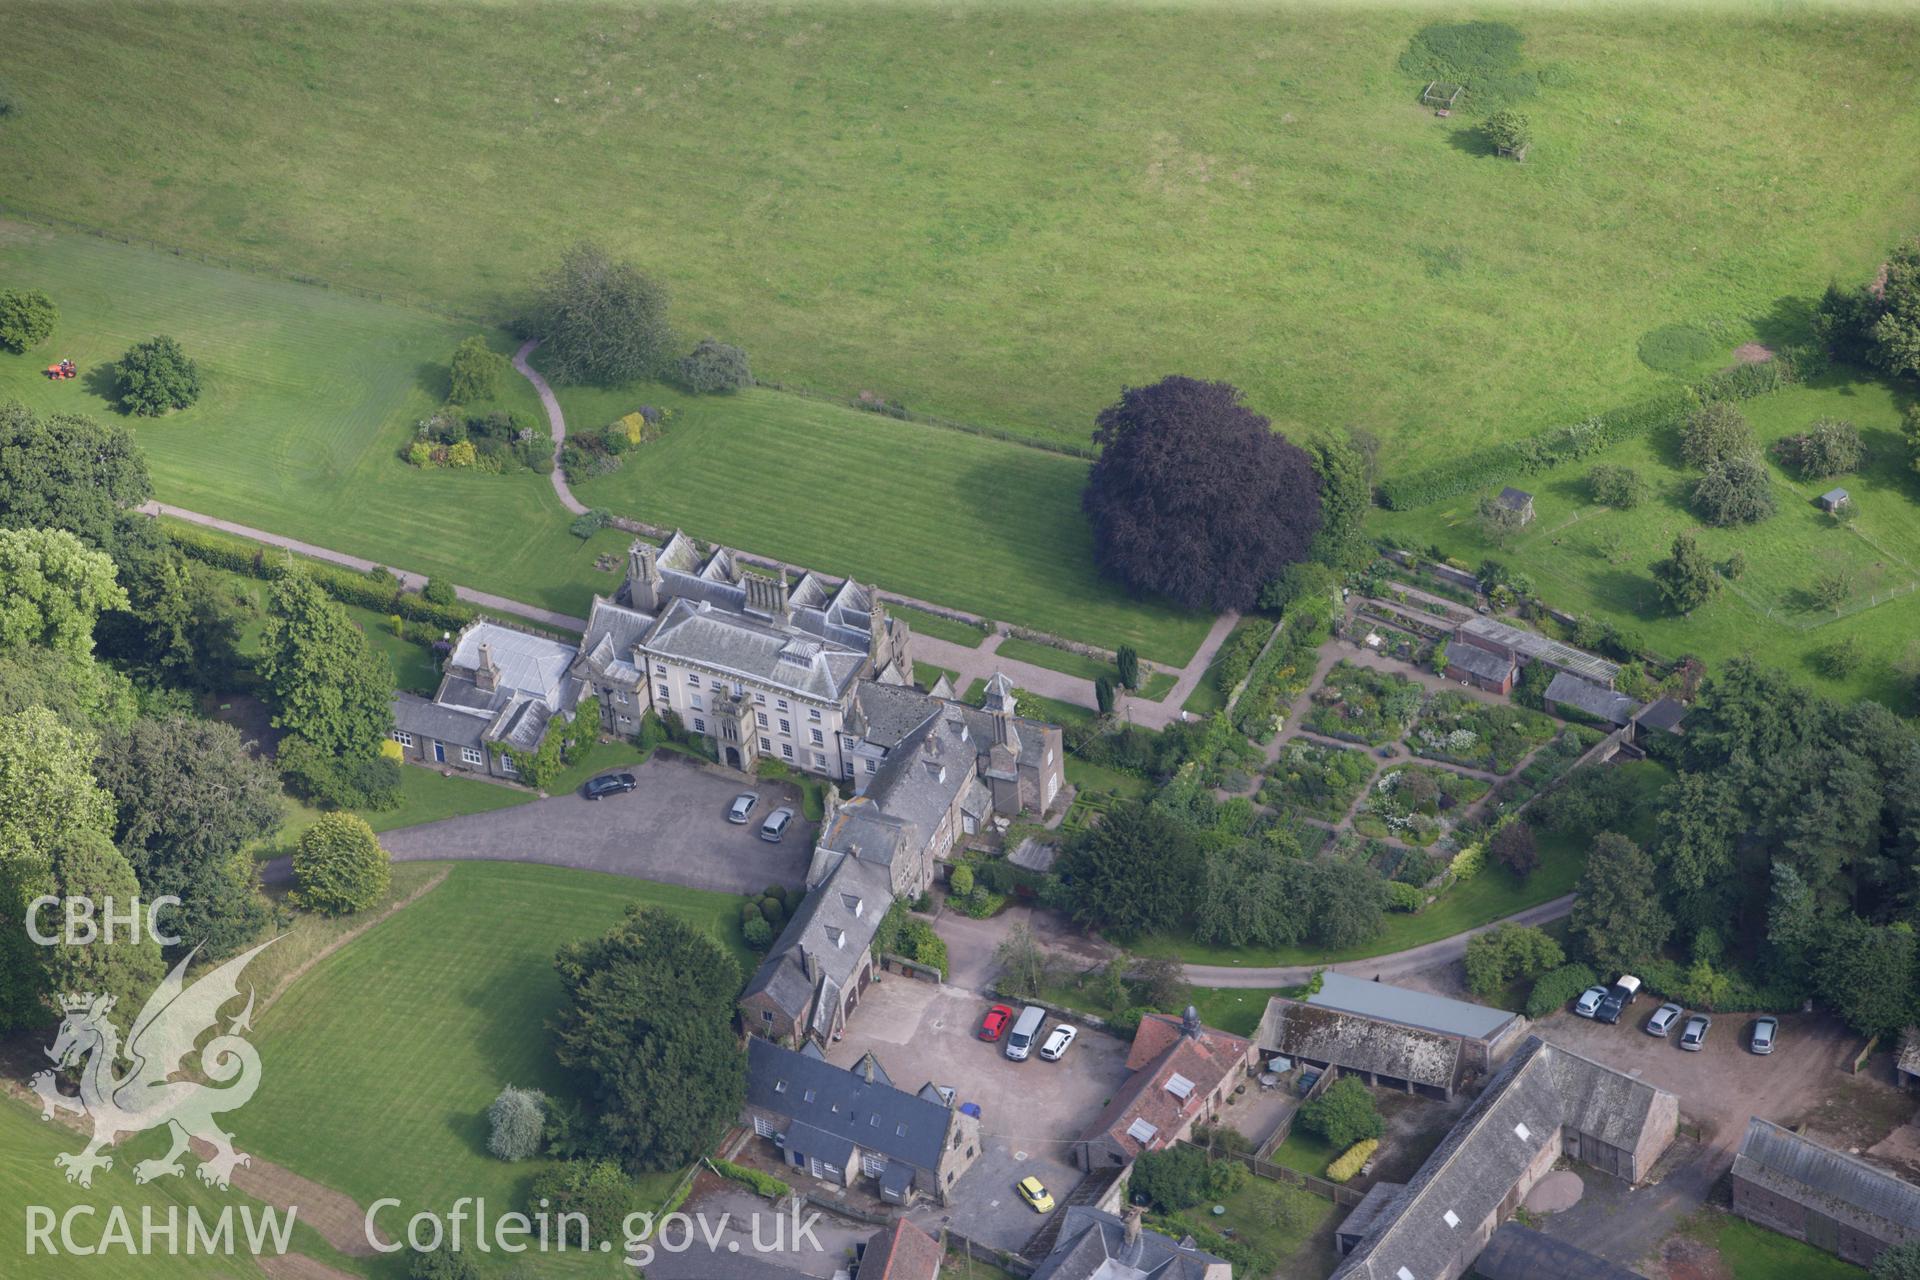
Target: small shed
1520, 500
1583, 698
1833, 499
1906, 1069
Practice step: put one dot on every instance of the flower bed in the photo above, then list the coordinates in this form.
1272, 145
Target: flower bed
1412, 803
1481, 735
1321, 782
1548, 766
1363, 705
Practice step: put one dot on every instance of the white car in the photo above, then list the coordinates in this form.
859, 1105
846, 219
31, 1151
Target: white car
1058, 1041
1588, 1005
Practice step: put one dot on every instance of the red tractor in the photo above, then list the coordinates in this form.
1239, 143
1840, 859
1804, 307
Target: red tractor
62, 371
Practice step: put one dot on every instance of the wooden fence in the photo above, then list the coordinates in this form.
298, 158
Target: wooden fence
1345, 1196
1279, 1135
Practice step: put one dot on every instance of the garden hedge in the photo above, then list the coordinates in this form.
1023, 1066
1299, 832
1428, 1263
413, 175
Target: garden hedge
1343, 1169
1568, 442
344, 585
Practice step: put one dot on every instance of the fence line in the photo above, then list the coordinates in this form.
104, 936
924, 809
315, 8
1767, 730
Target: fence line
1333, 1191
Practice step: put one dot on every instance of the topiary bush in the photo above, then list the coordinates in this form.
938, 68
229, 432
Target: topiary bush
516, 1121
339, 867
758, 933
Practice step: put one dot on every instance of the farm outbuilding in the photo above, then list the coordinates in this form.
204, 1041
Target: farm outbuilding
1833, 499
1481, 668
1906, 1069
1593, 701
1521, 1253
1517, 500
1795, 1186
1524, 647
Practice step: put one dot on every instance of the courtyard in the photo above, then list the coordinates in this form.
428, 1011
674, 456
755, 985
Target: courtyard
1030, 1111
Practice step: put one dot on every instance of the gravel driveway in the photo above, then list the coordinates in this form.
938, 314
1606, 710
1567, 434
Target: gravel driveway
672, 828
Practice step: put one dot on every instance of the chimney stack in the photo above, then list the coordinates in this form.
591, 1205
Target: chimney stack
643, 577
1134, 1214
1190, 1023
486, 676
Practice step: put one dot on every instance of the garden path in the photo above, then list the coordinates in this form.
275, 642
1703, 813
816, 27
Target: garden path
556, 423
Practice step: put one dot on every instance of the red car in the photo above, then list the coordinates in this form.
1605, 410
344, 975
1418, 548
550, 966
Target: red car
995, 1022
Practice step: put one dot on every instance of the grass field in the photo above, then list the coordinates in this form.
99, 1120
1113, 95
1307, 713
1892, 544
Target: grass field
932, 624
402, 1039
1767, 611
426, 796
1755, 1253
977, 210
1488, 896
962, 520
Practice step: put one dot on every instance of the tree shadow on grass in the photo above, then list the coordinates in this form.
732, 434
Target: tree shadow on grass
435, 379
1787, 322
103, 380
1469, 139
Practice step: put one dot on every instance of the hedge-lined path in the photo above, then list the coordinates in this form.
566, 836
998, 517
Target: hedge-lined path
411, 581
556, 424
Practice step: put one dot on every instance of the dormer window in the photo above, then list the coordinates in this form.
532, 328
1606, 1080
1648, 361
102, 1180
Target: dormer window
853, 903
838, 937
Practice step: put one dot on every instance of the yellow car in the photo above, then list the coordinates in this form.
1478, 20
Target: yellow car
1034, 1194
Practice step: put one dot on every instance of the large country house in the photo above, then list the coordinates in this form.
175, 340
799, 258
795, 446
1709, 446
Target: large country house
499, 691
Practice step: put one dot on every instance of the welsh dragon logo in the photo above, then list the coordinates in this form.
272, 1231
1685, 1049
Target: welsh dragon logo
148, 1095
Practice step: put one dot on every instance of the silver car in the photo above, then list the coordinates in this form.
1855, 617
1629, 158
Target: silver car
1694, 1038
1588, 1005
742, 807
1663, 1019
1765, 1031
776, 825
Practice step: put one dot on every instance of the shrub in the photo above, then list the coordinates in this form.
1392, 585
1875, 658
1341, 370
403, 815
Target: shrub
714, 367
462, 454
918, 942
515, 1122
1513, 847
1466, 864
1715, 432
156, 376
1127, 662
1830, 447
1173, 1179
330, 782
442, 1263
756, 931
1348, 1164
1404, 897
1840, 659
1901, 1262
1344, 1114
960, 880
1621, 488
438, 591
1556, 987
27, 317
588, 523
1508, 130
980, 904
339, 866
763, 1184
595, 1189
475, 371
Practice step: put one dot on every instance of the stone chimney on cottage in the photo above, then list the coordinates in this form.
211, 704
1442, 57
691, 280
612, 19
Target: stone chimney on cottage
1132, 1228
486, 676
1190, 1023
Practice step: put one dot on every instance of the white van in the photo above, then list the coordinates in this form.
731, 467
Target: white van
1025, 1032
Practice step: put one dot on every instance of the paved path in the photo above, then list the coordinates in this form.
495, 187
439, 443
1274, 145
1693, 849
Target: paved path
556, 423
411, 581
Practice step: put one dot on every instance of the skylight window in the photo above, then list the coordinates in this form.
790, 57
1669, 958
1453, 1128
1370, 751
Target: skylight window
1451, 1218
1142, 1131
1179, 1086
1526, 1134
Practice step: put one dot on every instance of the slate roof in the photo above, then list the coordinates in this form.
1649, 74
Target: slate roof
830, 930
859, 828
426, 718
838, 1109
613, 631
884, 714
1595, 700
1833, 497
737, 643
1408, 1007
1521, 1253
1353, 1040
1838, 1185
528, 664
1375, 1205
1476, 661
1909, 1060
835, 614
1093, 1246
532, 684
1541, 1089
920, 778
1665, 714
1534, 646
901, 1252
1515, 499
1204, 1060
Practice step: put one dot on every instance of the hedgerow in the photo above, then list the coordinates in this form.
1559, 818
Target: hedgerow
1343, 1169
1570, 442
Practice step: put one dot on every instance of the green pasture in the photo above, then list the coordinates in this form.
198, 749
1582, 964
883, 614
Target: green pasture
1005, 214
308, 396
1569, 548
978, 524
401, 1039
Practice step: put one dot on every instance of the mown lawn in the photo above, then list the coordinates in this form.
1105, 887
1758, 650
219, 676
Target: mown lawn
427, 796
1570, 548
1492, 894
932, 624
308, 395
977, 210
978, 524
402, 1038
1754, 1253
28, 1176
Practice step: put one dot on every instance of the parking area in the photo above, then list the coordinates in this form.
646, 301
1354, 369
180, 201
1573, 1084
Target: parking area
1030, 1111
671, 828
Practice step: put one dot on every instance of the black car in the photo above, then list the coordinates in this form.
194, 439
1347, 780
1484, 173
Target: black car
609, 784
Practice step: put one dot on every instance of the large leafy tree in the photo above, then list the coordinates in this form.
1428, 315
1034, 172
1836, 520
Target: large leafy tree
1131, 873
1895, 332
1734, 491
1871, 976
65, 471
27, 318
1716, 432
329, 685
1619, 917
53, 589
339, 866
1196, 497
189, 798
648, 1018
1686, 577
156, 377
55, 825
601, 320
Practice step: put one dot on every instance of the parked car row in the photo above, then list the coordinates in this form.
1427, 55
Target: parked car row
738, 813
1608, 1004
1026, 1030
